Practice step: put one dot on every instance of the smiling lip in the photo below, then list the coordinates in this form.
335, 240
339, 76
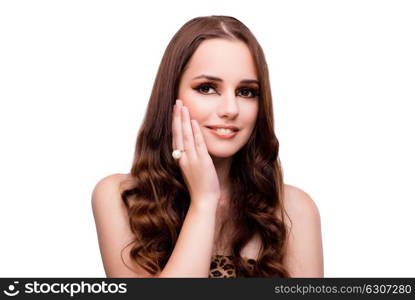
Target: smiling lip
234, 128
222, 135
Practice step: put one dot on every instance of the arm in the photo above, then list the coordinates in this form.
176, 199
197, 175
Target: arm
191, 255
193, 250
304, 256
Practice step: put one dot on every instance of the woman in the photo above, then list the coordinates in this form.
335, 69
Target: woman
205, 196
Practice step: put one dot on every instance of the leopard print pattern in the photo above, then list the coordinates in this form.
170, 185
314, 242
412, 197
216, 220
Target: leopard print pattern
223, 267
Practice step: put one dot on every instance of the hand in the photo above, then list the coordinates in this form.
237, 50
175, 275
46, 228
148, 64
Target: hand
195, 163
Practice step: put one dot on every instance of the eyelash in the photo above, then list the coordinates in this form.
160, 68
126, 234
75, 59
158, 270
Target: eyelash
254, 91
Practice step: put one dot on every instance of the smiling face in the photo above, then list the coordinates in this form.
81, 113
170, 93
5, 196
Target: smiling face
220, 88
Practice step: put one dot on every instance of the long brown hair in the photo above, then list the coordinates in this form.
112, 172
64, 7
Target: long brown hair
157, 197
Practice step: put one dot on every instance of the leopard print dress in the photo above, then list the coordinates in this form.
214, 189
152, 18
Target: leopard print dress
223, 267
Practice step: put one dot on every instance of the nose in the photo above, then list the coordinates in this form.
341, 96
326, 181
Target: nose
228, 106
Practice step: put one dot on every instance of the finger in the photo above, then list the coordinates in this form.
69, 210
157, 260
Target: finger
172, 127
187, 133
177, 127
200, 144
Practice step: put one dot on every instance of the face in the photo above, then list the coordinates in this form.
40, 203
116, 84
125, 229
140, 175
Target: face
220, 88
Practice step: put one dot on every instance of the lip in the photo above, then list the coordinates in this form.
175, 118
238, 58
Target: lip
234, 128
221, 135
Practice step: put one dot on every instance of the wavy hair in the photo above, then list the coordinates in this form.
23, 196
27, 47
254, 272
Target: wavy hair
156, 196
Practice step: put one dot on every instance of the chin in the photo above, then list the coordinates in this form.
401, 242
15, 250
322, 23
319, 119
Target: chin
222, 153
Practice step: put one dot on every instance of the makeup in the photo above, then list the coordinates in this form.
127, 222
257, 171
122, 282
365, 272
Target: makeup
223, 134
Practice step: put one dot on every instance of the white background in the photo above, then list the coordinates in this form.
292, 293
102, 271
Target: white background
75, 78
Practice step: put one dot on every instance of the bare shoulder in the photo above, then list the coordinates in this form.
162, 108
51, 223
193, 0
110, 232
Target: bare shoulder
110, 183
113, 227
304, 256
298, 203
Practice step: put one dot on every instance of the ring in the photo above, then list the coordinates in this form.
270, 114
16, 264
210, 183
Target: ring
177, 153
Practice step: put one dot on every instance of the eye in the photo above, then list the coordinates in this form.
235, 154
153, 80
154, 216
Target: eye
249, 92
204, 88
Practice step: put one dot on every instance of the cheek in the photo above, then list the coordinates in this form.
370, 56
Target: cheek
251, 114
199, 110
196, 114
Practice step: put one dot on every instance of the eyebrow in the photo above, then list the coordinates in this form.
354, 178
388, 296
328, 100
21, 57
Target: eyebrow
221, 80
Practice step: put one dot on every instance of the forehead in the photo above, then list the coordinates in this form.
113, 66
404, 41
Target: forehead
227, 59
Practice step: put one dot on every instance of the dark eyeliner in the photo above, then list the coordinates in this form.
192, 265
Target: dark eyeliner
203, 84
213, 85
254, 91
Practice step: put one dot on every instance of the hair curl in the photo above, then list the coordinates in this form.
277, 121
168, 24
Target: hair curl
156, 196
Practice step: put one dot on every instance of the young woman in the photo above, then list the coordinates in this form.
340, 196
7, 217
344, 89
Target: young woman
205, 196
